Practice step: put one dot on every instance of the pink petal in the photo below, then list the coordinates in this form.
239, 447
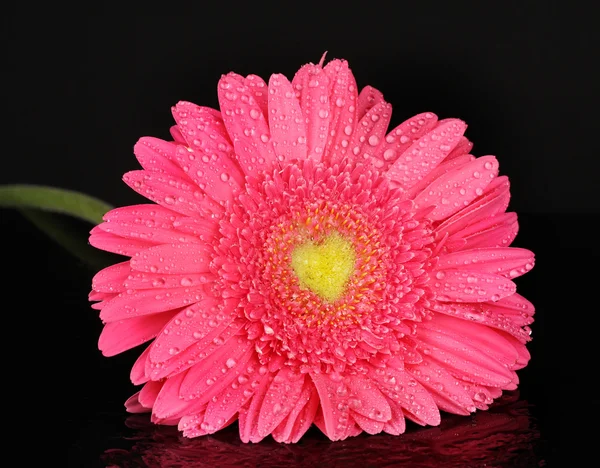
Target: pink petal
205, 228
397, 424
138, 280
147, 301
122, 335
439, 171
191, 325
368, 98
368, 425
149, 393
286, 121
403, 136
195, 353
459, 187
176, 134
171, 192
212, 168
507, 262
312, 85
440, 382
515, 305
370, 132
470, 286
132, 405
334, 405
258, 88
280, 399
487, 314
523, 353
246, 126
463, 359
248, 416
168, 403
367, 400
498, 231
464, 146
173, 259
156, 155
343, 110
493, 202
227, 403
416, 402
138, 375
196, 123
210, 376
426, 153
115, 244
111, 279
291, 429
147, 231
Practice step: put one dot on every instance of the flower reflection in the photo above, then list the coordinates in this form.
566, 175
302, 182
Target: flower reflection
503, 436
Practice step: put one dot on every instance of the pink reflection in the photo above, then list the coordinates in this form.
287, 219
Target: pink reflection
502, 436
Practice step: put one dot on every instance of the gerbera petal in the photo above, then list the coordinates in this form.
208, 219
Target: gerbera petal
171, 192
213, 169
368, 425
368, 98
111, 279
312, 85
508, 262
156, 155
464, 285
258, 88
457, 188
173, 259
139, 280
426, 153
132, 405
443, 384
195, 353
197, 122
343, 110
246, 126
286, 121
176, 134
209, 316
403, 136
397, 424
497, 231
209, 377
301, 417
122, 335
463, 359
168, 402
367, 400
111, 243
464, 146
149, 393
334, 405
147, 301
370, 132
138, 374
280, 399
443, 168
227, 403
248, 416
400, 387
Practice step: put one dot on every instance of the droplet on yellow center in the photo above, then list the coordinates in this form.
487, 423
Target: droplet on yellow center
325, 267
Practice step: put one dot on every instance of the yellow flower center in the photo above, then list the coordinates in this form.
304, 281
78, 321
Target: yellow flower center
325, 267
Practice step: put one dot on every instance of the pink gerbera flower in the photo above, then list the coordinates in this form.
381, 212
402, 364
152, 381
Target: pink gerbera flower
303, 265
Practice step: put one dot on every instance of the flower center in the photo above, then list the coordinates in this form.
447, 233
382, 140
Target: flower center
325, 268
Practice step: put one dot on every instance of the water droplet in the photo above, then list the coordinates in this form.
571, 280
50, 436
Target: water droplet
173, 351
230, 363
254, 113
389, 154
224, 177
440, 275
373, 140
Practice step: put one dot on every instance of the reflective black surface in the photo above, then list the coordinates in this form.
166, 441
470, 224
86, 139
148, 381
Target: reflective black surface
75, 396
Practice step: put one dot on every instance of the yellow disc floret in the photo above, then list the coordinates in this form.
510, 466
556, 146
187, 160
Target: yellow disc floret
325, 267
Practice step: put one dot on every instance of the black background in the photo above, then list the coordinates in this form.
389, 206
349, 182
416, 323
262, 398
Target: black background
79, 90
